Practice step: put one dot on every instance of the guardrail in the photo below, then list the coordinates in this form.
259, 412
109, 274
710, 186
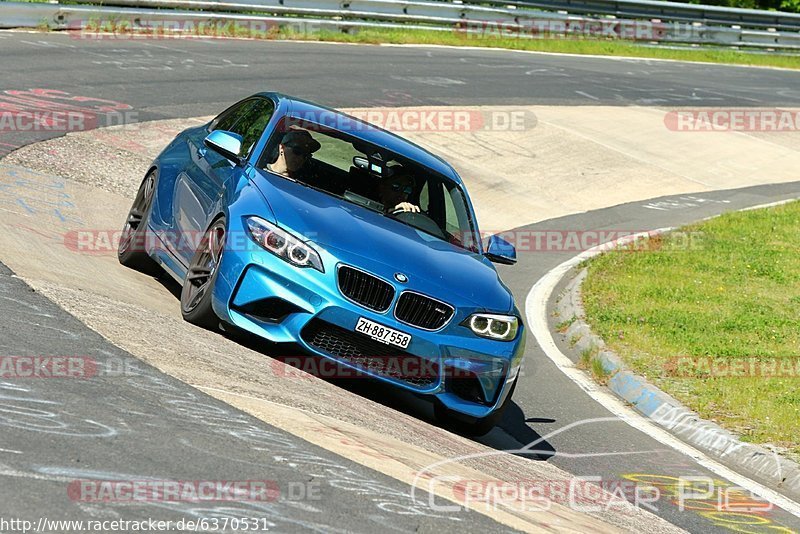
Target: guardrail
674, 11
497, 18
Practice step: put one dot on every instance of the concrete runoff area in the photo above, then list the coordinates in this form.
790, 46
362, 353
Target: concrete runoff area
571, 160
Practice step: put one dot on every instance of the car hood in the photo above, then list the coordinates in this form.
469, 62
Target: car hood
384, 246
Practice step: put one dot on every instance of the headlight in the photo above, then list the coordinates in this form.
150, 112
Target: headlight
283, 244
500, 327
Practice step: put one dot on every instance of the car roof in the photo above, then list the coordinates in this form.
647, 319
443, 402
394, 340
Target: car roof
374, 135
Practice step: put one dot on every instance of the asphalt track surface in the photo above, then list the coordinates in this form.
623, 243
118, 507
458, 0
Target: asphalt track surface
137, 424
170, 79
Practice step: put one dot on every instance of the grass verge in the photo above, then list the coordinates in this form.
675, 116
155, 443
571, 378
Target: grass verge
598, 47
715, 324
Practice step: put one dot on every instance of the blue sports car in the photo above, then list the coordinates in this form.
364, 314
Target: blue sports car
303, 225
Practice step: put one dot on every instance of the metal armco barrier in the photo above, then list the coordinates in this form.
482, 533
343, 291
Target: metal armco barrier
674, 11
496, 19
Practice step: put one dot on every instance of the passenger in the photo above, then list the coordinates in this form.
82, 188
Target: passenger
395, 189
294, 157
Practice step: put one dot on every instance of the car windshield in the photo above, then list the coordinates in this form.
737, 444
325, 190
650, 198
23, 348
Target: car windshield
346, 167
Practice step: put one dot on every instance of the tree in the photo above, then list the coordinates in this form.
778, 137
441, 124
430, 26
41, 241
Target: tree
791, 5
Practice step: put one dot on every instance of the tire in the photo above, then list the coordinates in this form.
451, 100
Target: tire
131, 252
198, 286
476, 428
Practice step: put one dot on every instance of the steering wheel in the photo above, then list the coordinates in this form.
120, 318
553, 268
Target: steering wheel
419, 220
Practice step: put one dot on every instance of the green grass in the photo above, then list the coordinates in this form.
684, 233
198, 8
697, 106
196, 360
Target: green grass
734, 295
563, 326
589, 361
603, 47
567, 46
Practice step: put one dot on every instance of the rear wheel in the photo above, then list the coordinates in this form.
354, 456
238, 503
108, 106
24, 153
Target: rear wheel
131, 250
198, 285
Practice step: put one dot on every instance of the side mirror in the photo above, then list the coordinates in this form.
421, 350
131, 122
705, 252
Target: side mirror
226, 144
501, 251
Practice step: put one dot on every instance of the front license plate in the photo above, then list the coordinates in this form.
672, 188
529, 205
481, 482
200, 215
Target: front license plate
384, 334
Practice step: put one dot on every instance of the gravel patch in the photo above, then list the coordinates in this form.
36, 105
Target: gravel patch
112, 159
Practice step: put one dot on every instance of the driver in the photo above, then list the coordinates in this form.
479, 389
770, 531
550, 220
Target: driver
395, 189
294, 157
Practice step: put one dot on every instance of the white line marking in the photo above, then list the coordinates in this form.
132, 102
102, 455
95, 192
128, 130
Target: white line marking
536, 312
587, 95
11, 451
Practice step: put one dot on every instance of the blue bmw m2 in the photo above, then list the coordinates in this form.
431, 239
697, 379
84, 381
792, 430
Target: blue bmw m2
303, 225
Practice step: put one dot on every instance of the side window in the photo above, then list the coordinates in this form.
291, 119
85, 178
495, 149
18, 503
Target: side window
335, 152
458, 221
454, 217
248, 120
252, 123
424, 200
449, 210
227, 119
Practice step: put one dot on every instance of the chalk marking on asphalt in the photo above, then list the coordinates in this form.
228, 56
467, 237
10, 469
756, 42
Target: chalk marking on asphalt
587, 95
400, 461
536, 312
628, 59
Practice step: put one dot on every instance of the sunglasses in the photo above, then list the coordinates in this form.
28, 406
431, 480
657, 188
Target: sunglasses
406, 189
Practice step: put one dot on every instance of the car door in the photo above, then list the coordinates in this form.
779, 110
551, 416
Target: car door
201, 183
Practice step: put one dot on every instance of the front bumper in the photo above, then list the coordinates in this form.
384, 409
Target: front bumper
264, 295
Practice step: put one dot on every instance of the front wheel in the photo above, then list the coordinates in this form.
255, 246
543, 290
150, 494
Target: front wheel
198, 285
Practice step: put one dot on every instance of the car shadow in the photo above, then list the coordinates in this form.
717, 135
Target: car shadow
513, 434
516, 425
